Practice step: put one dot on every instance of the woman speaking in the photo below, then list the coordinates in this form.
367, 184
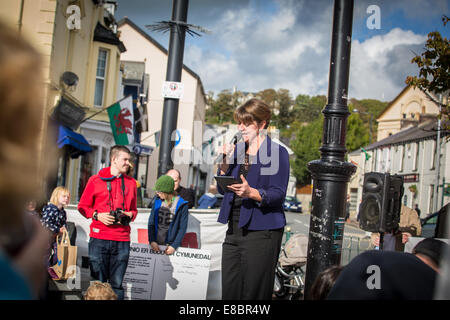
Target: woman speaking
252, 209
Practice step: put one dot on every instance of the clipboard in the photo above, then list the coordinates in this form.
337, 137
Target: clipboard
224, 181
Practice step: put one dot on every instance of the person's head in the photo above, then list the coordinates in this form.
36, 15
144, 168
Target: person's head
164, 187
324, 282
31, 205
60, 197
176, 176
252, 118
430, 251
212, 189
120, 158
21, 93
100, 291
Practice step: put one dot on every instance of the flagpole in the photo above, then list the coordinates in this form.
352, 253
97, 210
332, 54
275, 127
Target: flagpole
93, 115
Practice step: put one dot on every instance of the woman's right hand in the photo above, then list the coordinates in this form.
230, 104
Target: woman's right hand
227, 150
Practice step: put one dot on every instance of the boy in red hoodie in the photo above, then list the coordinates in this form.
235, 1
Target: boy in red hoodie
109, 243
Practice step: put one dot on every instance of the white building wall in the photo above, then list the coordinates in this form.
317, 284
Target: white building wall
409, 159
191, 106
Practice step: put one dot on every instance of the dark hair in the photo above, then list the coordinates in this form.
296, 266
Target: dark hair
253, 110
115, 151
324, 282
431, 248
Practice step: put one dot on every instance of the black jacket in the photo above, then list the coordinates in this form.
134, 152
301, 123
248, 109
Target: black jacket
187, 194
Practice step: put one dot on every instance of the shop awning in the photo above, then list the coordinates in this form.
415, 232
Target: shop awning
77, 143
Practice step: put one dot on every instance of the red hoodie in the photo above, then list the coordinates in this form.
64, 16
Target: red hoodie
96, 197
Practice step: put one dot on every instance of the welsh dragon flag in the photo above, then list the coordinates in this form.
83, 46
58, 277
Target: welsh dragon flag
121, 119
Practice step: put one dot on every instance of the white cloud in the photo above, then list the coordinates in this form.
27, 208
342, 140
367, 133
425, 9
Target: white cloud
371, 66
290, 49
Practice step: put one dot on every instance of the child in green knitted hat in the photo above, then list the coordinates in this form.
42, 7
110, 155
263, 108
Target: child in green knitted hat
168, 219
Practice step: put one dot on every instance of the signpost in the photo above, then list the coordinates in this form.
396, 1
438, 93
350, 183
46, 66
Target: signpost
174, 90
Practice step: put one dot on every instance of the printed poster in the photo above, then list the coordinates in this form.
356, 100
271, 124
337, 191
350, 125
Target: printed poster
156, 276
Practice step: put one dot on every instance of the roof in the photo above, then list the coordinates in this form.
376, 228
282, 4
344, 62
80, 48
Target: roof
103, 34
125, 20
398, 96
424, 131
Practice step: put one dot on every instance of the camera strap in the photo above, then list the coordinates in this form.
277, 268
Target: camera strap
108, 186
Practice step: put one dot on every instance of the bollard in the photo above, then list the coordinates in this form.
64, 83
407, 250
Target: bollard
288, 234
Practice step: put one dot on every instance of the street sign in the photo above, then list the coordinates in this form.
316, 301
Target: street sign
140, 149
172, 89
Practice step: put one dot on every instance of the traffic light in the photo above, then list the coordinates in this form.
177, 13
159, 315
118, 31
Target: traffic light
381, 202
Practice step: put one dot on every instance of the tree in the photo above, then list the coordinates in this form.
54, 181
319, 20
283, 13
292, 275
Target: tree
306, 146
283, 118
221, 109
308, 109
357, 133
269, 96
434, 68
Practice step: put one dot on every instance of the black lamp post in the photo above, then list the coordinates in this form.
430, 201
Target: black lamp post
331, 173
174, 68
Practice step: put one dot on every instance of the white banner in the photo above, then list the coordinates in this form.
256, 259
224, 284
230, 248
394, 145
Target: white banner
156, 276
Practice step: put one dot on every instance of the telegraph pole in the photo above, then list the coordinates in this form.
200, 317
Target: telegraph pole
174, 68
331, 173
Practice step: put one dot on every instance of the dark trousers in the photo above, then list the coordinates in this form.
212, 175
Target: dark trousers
249, 259
108, 261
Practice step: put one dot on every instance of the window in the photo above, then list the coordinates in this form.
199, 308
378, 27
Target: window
100, 77
433, 153
88, 168
401, 155
430, 198
416, 156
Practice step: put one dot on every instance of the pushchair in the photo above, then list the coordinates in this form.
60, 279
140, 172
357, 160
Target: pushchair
289, 273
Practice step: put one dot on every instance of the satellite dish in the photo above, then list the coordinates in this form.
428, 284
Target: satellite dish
69, 78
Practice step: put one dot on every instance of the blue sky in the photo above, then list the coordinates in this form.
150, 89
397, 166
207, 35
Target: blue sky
260, 44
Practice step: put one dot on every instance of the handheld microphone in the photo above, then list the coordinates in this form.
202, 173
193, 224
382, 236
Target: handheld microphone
236, 138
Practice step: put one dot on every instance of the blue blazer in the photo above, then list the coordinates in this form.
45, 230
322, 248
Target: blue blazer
177, 227
270, 176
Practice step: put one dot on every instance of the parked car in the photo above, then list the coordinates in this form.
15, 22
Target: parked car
292, 204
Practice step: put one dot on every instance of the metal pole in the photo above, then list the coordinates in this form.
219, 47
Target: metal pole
438, 158
331, 173
174, 68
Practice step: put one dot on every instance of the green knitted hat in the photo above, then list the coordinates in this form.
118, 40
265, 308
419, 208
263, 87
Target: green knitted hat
164, 184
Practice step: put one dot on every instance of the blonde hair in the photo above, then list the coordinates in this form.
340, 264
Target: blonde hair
168, 197
56, 193
21, 92
100, 291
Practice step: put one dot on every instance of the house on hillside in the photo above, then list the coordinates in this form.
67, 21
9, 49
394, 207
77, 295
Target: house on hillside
408, 108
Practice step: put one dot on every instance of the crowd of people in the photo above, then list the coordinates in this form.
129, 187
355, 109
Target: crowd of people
252, 210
